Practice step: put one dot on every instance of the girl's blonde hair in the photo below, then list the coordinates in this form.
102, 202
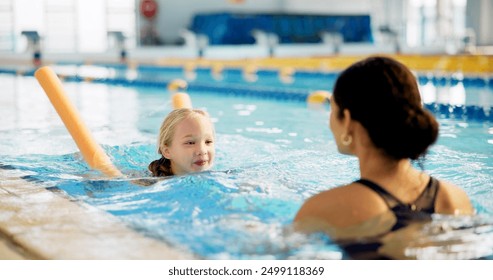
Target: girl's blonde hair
162, 166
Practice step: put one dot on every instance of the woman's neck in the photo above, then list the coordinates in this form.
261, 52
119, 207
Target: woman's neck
398, 177
375, 165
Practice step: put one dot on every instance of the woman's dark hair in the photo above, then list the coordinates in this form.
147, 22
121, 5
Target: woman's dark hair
160, 167
382, 94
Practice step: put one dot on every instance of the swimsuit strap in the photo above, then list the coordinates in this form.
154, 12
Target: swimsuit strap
425, 201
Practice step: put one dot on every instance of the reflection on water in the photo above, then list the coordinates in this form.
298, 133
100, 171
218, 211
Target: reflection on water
446, 237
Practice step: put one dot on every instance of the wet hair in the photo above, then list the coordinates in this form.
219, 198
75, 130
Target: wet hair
162, 166
382, 94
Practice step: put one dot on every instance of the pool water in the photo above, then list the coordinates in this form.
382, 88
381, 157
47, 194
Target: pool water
271, 154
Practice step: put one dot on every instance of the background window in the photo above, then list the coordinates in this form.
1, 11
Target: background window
66, 25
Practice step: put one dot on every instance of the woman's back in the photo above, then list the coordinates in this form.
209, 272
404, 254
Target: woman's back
360, 227
352, 205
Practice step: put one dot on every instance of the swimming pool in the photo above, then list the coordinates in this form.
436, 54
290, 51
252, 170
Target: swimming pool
273, 152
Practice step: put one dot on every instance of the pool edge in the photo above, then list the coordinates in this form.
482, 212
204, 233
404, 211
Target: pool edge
39, 224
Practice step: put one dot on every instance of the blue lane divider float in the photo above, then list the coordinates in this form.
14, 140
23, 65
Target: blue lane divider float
470, 112
463, 112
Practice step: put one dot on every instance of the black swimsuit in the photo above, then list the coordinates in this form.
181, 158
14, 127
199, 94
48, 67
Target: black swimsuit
420, 210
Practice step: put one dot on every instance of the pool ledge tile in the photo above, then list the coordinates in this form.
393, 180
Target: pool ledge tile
47, 225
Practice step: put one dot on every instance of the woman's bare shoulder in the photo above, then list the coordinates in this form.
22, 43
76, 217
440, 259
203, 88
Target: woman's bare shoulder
342, 206
452, 199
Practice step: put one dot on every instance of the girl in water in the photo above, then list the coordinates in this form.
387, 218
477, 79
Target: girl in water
185, 143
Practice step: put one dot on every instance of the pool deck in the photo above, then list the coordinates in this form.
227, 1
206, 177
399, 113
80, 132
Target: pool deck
36, 223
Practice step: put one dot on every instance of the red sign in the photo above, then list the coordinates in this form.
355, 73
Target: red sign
148, 8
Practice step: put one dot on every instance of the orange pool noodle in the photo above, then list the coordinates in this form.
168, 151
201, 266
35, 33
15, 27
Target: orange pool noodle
181, 100
92, 152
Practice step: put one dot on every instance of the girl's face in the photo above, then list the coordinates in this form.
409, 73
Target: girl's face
192, 147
